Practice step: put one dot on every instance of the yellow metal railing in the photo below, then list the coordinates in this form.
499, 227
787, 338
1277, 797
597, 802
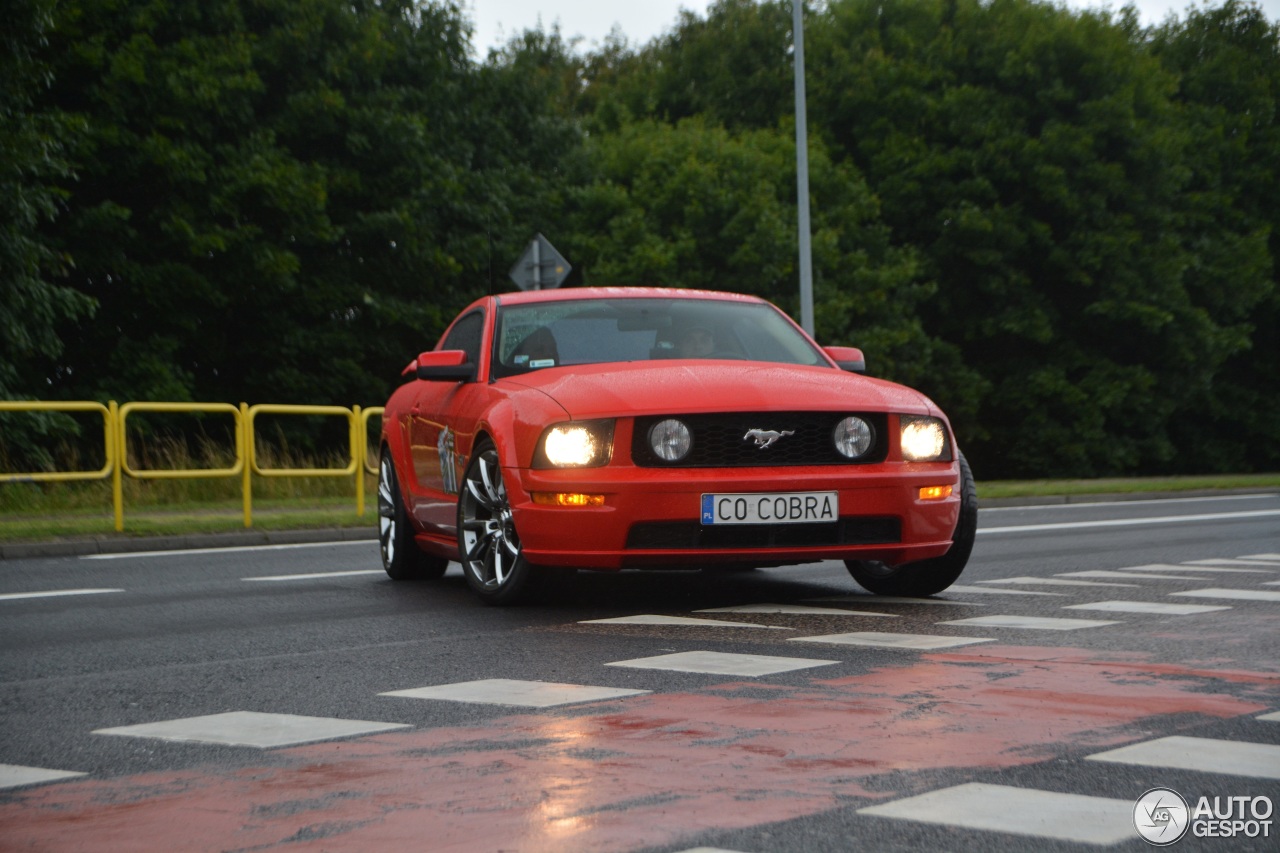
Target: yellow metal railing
116, 447
182, 473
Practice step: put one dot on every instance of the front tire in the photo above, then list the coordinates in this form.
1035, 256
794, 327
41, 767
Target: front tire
488, 544
927, 577
401, 556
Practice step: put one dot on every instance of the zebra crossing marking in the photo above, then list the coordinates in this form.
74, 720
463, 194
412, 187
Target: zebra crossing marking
796, 610
1128, 576
655, 619
1232, 594
1019, 811
895, 599
1202, 755
1030, 623
876, 639
1058, 582
16, 775
1166, 567
54, 593
1259, 564
1148, 607
723, 663
993, 590
250, 728
506, 691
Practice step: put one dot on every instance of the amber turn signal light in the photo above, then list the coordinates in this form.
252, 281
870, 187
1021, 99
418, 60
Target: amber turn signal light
569, 499
934, 493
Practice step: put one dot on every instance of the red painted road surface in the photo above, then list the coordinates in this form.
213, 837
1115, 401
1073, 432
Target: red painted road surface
648, 770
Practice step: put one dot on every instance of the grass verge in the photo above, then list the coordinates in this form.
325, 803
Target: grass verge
52, 514
1120, 486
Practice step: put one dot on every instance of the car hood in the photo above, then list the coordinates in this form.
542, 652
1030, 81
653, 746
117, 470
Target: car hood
612, 390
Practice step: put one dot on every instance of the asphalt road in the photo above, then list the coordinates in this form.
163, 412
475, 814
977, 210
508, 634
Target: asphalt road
1004, 736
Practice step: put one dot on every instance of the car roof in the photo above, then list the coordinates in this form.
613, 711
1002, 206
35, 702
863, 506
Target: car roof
580, 293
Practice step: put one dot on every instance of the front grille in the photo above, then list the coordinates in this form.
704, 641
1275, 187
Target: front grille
870, 530
719, 440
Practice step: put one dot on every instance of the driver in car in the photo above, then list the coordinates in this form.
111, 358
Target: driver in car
696, 342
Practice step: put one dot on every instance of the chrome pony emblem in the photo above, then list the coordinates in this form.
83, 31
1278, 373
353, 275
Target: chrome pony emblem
764, 438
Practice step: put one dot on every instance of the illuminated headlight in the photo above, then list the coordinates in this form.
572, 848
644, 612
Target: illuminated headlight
670, 440
853, 437
925, 440
579, 444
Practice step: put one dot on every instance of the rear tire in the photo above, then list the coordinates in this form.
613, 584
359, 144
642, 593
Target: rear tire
927, 577
401, 556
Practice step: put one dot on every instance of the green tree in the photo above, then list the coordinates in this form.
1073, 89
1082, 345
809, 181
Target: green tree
33, 301
284, 201
32, 160
697, 206
1228, 64
1034, 155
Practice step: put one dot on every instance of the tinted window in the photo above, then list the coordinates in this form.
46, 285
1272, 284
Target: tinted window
465, 335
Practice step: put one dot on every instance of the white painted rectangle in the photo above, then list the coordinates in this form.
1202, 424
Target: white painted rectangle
15, 775
1108, 575
1030, 623
1202, 755
994, 590
1232, 594
524, 694
796, 610
54, 593
1057, 582
879, 640
1165, 567
1019, 811
1250, 565
250, 728
723, 663
896, 599
1148, 607
676, 621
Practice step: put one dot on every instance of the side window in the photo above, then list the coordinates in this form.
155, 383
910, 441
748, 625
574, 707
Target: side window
465, 335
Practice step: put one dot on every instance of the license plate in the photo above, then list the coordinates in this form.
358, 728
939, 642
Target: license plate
771, 508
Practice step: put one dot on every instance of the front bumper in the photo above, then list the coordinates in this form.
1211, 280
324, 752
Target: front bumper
650, 517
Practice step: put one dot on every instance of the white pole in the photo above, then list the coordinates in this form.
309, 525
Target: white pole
802, 171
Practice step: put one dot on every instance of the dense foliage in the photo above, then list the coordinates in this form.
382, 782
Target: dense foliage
1060, 225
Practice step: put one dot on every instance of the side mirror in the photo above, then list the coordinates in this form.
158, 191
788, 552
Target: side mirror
848, 358
448, 365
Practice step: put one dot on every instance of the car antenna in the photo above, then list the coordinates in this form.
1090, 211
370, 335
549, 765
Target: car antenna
489, 233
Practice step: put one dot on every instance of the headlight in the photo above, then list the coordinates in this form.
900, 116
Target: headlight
670, 440
925, 440
578, 444
853, 437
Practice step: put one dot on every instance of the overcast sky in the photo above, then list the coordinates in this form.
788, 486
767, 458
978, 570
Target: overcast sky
641, 20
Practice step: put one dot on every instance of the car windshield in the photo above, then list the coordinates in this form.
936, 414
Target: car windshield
598, 331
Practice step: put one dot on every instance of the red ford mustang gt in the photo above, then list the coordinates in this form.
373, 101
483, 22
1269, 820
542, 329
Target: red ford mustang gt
612, 428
